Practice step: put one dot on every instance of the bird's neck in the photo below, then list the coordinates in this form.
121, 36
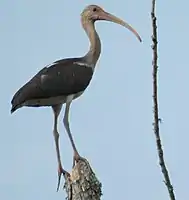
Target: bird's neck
95, 45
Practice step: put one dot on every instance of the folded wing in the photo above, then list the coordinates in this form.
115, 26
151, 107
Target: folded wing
63, 77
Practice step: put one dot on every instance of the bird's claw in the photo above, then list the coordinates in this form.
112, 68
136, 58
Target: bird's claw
59, 178
60, 172
77, 158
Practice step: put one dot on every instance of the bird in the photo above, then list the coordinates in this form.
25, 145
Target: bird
65, 80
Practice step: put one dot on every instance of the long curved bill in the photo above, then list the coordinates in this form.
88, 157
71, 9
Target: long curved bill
109, 17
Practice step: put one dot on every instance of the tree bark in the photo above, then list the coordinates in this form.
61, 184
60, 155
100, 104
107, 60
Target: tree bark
157, 120
82, 184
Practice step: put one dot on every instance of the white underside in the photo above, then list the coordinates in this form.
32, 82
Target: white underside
52, 100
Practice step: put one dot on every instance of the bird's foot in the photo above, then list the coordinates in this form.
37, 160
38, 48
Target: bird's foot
60, 172
77, 158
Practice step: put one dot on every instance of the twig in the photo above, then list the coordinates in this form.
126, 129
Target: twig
82, 183
164, 170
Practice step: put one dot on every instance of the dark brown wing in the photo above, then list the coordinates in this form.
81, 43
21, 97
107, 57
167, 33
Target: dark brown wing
63, 77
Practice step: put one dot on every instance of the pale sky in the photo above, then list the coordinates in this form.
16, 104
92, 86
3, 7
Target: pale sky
112, 121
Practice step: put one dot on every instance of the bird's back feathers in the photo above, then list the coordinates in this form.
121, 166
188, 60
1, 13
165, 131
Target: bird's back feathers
63, 77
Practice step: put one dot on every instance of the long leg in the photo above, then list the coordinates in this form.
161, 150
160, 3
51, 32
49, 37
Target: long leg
67, 127
56, 110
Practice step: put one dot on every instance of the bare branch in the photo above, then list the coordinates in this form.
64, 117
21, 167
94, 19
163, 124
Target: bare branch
155, 99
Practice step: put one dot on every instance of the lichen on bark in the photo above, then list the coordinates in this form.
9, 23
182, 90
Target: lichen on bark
82, 183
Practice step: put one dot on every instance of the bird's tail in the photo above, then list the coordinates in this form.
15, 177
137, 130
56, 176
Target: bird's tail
17, 100
14, 108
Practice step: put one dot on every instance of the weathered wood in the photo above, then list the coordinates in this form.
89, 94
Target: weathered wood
82, 184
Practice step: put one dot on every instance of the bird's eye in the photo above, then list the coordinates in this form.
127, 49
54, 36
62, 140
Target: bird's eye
94, 9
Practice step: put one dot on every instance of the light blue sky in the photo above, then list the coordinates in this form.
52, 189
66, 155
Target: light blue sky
112, 121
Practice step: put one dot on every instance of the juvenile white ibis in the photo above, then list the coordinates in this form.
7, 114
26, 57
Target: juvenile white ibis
65, 80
